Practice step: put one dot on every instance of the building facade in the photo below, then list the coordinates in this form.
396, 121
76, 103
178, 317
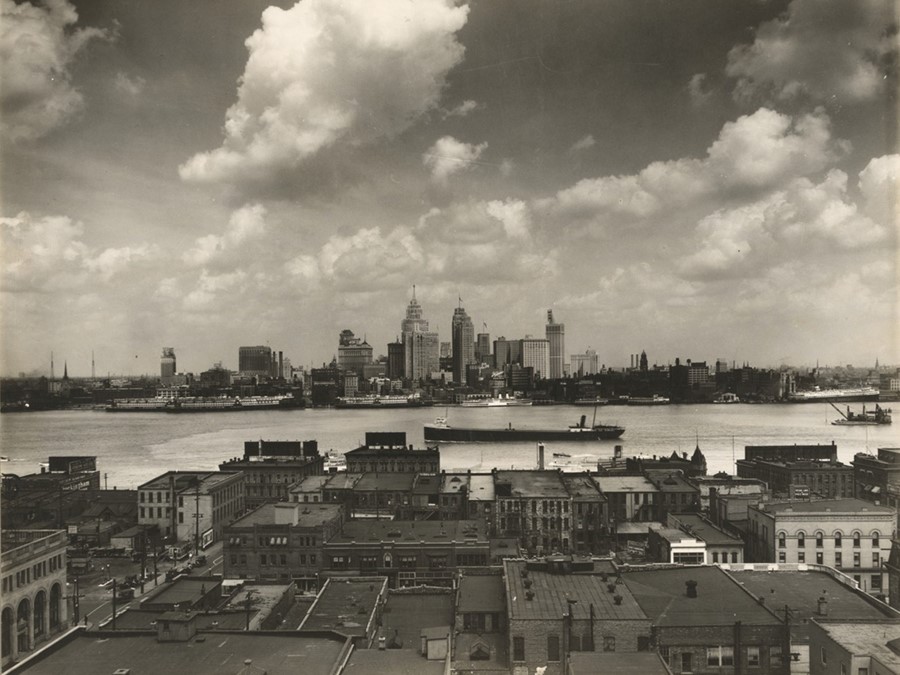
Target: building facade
167, 366
556, 339
536, 355
463, 336
354, 354
33, 575
255, 361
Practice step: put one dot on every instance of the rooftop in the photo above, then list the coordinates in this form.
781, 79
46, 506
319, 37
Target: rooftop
866, 639
625, 484
827, 506
218, 654
531, 483
310, 483
551, 592
481, 593
455, 482
182, 589
621, 663
342, 480
581, 487
345, 605
185, 480
407, 613
385, 482
801, 590
308, 515
481, 488
394, 661
410, 530
700, 528
720, 601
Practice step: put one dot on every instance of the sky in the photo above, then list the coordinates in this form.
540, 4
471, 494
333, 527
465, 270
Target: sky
695, 179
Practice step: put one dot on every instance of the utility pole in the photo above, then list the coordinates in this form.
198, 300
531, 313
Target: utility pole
197, 519
114, 604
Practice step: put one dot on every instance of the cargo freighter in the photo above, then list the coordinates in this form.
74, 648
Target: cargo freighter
441, 431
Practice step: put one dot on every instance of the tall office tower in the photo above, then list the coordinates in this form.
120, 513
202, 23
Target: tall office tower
536, 355
483, 348
507, 352
167, 368
255, 361
353, 354
556, 336
585, 364
644, 361
463, 343
446, 350
421, 348
395, 360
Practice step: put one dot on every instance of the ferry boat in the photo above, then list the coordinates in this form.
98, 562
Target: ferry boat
190, 404
818, 395
726, 398
656, 399
335, 462
879, 416
502, 401
441, 431
384, 401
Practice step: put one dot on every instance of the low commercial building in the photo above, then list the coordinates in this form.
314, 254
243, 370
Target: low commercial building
268, 478
721, 547
851, 535
408, 552
629, 498
854, 647
828, 479
387, 452
878, 476
281, 542
671, 545
33, 575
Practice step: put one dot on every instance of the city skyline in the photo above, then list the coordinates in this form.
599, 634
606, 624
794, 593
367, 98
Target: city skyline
228, 182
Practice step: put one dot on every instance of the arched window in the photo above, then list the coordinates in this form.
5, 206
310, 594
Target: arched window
856, 540
801, 540
23, 616
40, 608
819, 539
876, 539
838, 541
55, 597
782, 543
6, 625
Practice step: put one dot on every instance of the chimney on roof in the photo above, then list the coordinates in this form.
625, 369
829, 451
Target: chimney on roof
822, 606
540, 450
691, 588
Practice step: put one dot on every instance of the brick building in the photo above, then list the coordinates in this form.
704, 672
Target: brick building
387, 452
878, 476
270, 468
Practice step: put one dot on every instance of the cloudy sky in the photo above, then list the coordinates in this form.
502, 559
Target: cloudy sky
698, 179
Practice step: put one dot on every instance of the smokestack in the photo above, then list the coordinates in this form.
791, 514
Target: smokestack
632, 360
540, 450
691, 588
280, 364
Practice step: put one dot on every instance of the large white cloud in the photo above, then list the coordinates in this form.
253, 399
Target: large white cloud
332, 71
37, 49
245, 224
825, 50
751, 155
449, 156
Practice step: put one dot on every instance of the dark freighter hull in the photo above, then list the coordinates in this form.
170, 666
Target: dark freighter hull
463, 435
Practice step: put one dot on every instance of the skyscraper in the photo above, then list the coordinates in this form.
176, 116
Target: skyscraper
483, 348
167, 367
536, 355
255, 360
556, 336
353, 354
420, 346
463, 343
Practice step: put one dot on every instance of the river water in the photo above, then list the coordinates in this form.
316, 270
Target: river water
132, 448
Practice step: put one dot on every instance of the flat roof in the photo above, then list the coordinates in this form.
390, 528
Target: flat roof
801, 590
454, 482
182, 589
580, 486
849, 505
410, 530
217, 654
603, 663
406, 614
144, 619
308, 515
310, 483
385, 481
867, 639
183, 480
393, 661
481, 488
342, 480
482, 593
551, 593
704, 530
533, 483
625, 484
345, 605
672, 534
720, 601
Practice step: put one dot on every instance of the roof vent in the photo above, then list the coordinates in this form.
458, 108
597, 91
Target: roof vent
691, 587
529, 595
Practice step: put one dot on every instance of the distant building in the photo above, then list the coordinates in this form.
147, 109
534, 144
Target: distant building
354, 354
463, 334
167, 366
585, 364
420, 346
556, 338
827, 479
255, 361
877, 477
34, 598
483, 349
536, 355
395, 361
721, 547
270, 468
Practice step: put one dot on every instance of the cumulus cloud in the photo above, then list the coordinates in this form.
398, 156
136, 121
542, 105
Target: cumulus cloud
48, 253
449, 156
879, 183
212, 287
841, 49
462, 110
37, 49
751, 155
583, 143
699, 94
245, 224
329, 72
802, 219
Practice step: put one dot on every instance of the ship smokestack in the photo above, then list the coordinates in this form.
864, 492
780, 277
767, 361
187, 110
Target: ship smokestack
540, 450
583, 421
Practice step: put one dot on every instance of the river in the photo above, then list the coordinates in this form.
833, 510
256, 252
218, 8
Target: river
132, 448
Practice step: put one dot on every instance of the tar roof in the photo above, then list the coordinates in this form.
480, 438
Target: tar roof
345, 605
182, 589
705, 531
801, 592
385, 482
481, 593
540, 484
625, 484
410, 530
405, 614
455, 482
481, 488
310, 483
551, 593
601, 663
720, 599
394, 661
581, 487
308, 515
217, 654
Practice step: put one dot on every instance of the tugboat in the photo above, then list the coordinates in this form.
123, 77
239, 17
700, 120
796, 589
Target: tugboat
879, 416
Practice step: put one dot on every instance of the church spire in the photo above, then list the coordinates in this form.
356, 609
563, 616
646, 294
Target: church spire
65, 370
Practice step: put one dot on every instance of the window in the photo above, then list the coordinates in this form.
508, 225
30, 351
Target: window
734, 557
856, 559
553, 647
643, 643
875, 582
819, 538
715, 557
609, 643
838, 559
875, 540
518, 649
781, 540
876, 559
801, 557
819, 557
837, 539
687, 665
753, 656
664, 653
856, 540
824, 656
782, 556
801, 540
720, 656
262, 559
